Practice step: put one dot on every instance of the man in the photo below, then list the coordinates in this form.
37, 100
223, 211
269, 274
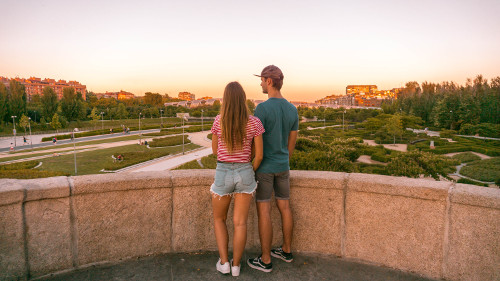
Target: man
281, 122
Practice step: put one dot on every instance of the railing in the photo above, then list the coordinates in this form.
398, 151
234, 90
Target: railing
436, 229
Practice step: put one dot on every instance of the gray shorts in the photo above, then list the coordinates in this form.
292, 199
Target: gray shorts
267, 182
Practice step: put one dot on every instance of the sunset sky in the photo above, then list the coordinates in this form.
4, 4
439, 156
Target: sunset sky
200, 46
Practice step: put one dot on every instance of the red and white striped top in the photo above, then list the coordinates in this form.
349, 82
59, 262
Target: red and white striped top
254, 128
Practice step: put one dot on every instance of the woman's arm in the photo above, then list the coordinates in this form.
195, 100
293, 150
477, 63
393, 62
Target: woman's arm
215, 142
259, 151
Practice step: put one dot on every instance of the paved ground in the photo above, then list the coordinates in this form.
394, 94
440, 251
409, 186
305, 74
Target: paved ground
398, 147
170, 163
201, 266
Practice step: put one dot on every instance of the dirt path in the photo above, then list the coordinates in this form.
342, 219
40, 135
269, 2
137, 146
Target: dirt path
398, 146
478, 154
368, 160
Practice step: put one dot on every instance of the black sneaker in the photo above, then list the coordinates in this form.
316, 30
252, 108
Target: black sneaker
280, 254
258, 264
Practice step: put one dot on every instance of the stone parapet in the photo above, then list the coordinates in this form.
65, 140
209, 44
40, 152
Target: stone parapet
436, 229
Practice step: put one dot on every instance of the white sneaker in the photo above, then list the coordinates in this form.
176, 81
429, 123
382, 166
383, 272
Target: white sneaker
235, 270
223, 268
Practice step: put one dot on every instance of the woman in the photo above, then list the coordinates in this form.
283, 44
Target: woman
233, 131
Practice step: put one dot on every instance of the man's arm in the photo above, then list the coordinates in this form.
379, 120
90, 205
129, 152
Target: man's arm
292, 138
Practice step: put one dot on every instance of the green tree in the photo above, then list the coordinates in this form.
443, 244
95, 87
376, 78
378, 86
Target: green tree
72, 104
251, 106
4, 113
394, 127
24, 122
94, 116
17, 98
121, 112
49, 102
154, 99
55, 122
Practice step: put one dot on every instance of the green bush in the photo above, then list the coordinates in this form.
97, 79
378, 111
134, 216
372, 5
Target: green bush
209, 161
447, 133
19, 165
484, 170
466, 157
483, 130
169, 141
416, 163
209, 136
468, 181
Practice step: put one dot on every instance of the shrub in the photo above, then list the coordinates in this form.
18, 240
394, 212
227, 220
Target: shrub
468, 181
466, 157
484, 170
447, 133
416, 163
169, 141
483, 129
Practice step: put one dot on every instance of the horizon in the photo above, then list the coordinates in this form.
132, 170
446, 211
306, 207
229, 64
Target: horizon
199, 47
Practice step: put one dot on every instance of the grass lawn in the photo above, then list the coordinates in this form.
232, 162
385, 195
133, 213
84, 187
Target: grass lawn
92, 162
124, 138
5, 159
483, 170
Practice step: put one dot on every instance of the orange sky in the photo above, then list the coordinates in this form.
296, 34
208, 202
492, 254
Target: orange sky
200, 46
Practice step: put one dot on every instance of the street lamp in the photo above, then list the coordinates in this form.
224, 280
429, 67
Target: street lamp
451, 118
74, 149
102, 120
202, 120
161, 117
14, 131
31, 141
35, 115
140, 137
343, 112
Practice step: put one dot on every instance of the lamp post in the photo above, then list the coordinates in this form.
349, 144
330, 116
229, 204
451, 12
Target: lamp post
183, 134
202, 120
161, 117
102, 120
451, 118
343, 112
31, 141
14, 131
74, 149
140, 136
35, 115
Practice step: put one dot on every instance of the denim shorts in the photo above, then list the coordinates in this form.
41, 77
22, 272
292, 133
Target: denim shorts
233, 178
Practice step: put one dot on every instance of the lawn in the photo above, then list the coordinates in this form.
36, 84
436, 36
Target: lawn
92, 162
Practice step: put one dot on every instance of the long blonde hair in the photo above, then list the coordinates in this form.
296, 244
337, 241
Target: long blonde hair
234, 116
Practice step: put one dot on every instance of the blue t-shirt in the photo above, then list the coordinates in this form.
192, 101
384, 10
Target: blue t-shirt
279, 117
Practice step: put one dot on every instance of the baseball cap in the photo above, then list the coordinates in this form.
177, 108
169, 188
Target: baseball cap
271, 71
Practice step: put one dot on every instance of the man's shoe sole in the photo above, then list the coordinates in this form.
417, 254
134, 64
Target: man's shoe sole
280, 257
258, 267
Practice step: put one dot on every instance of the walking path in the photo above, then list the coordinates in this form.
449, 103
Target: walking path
177, 160
398, 146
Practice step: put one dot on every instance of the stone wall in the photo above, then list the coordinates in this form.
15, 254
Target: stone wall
435, 229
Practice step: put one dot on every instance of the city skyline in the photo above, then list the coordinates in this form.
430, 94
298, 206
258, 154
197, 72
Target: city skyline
198, 47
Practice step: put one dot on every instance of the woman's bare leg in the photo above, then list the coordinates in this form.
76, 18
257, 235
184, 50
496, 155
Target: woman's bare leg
220, 205
242, 203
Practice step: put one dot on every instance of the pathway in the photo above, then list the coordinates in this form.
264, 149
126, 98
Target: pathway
169, 163
398, 146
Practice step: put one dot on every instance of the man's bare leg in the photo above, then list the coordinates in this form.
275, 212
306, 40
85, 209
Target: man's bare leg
287, 223
265, 229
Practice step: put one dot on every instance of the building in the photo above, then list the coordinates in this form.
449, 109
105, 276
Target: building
360, 89
186, 96
121, 95
34, 86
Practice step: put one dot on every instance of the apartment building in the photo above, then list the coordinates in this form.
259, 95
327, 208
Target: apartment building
34, 86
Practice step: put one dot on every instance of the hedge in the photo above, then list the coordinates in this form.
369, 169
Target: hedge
468, 181
466, 157
19, 165
168, 141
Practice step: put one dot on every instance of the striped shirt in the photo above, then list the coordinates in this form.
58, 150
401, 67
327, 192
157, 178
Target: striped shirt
254, 129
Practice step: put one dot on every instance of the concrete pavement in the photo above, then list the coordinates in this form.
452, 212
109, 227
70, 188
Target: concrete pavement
201, 266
